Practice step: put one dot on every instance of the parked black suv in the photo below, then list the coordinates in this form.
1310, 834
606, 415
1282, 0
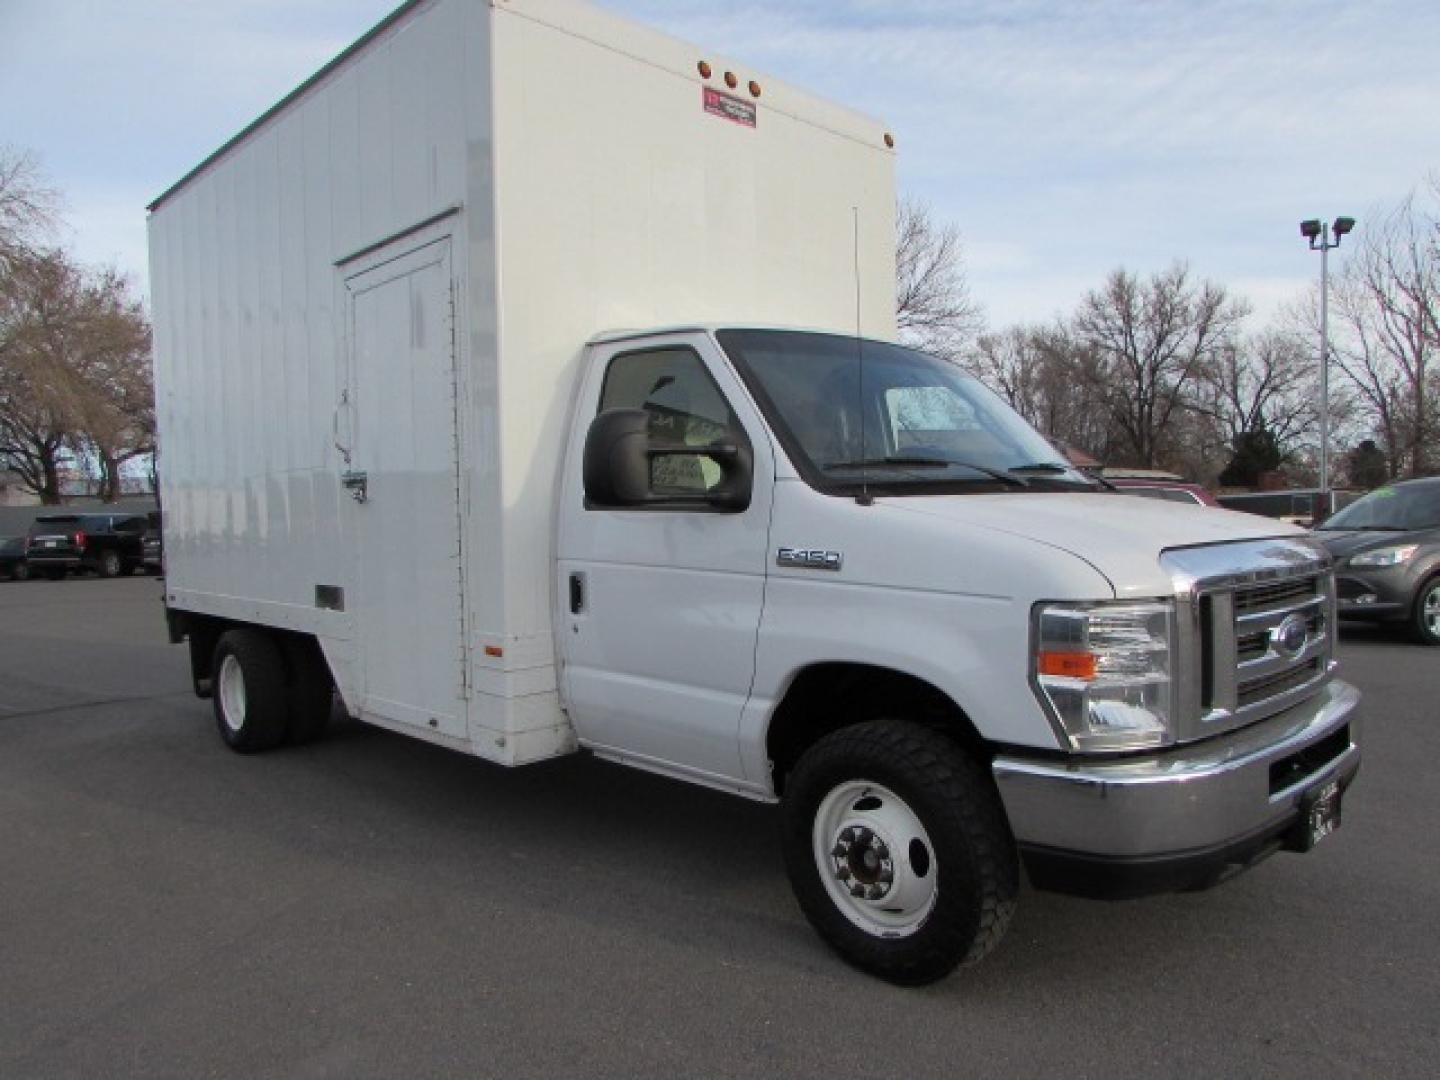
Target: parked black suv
108, 544
1387, 556
12, 558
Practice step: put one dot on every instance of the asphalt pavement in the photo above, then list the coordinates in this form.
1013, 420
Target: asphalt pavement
371, 906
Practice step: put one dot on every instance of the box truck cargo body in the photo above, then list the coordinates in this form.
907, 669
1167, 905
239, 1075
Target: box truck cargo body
528, 378
391, 278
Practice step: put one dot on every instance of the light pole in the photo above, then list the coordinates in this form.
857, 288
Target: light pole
1323, 236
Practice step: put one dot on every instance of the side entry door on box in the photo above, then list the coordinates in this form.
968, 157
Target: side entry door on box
398, 425
660, 605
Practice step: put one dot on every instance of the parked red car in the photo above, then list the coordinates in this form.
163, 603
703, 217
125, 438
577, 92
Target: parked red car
1152, 484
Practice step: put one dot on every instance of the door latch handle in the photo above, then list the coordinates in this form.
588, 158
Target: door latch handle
577, 594
357, 483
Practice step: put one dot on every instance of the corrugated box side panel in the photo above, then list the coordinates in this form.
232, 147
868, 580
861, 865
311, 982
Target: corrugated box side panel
249, 310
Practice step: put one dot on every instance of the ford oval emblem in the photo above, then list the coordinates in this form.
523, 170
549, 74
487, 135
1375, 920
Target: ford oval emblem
1288, 639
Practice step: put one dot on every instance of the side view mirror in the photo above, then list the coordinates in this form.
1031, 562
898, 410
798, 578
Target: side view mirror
619, 457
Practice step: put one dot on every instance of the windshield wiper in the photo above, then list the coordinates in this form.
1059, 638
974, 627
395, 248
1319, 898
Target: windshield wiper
1361, 528
925, 463
1040, 467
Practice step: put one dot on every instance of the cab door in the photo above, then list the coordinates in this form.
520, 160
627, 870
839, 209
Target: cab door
661, 603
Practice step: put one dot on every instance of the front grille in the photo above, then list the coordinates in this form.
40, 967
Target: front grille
1277, 596
1266, 687
1241, 654
1254, 645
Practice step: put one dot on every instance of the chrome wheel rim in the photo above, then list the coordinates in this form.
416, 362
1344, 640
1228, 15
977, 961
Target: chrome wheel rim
875, 858
232, 694
1430, 611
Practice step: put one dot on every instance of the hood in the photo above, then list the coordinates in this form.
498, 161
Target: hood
1120, 536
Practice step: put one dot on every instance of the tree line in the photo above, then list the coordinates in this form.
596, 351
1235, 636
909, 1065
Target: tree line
76, 391
1163, 370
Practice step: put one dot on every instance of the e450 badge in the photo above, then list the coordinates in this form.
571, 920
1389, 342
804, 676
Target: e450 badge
809, 558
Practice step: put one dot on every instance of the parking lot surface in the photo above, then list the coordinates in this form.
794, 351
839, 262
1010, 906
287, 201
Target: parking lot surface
371, 906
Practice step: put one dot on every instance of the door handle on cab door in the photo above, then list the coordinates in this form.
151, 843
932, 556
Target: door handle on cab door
577, 594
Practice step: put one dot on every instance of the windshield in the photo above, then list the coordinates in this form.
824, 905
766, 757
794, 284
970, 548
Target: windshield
916, 422
1391, 508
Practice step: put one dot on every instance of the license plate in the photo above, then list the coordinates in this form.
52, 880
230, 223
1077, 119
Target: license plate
52, 543
1322, 812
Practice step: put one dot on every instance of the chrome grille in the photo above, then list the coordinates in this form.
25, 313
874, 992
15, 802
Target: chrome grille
1232, 600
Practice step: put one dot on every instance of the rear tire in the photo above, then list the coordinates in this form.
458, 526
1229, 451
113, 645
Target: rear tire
1425, 619
903, 814
109, 564
312, 692
250, 690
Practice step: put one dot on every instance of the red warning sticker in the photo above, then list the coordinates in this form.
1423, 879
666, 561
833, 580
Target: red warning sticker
730, 108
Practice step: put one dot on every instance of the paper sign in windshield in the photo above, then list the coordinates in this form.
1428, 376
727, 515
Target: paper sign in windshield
729, 108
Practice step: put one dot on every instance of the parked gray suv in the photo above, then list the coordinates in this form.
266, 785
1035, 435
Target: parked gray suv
1387, 556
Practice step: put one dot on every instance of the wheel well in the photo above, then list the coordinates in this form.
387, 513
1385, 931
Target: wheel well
827, 697
204, 632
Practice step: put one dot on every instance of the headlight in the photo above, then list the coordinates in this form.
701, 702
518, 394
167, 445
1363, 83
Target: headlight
1386, 556
1103, 671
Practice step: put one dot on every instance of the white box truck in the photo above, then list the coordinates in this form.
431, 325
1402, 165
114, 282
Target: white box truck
484, 403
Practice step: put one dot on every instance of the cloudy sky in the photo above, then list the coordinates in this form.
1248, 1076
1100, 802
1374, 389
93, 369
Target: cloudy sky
1064, 137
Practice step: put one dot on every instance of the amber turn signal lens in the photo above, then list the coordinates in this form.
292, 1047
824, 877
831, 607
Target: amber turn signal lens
704, 68
889, 140
1068, 665
494, 650
754, 88
730, 80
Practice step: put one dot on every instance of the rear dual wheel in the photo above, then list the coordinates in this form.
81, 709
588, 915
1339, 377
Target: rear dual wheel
262, 697
898, 850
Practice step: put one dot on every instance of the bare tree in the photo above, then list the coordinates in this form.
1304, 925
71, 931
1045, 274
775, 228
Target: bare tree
1387, 303
116, 416
1262, 384
1050, 378
934, 310
28, 206
74, 371
1157, 342
37, 398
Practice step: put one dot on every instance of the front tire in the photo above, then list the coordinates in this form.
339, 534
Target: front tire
20, 572
250, 696
898, 850
1425, 620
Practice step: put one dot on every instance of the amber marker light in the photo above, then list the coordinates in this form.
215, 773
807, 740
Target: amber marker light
1068, 665
754, 88
494, 650
730, 80
889, 141
704, 68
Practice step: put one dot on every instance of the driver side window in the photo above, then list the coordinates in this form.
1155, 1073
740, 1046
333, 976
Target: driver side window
685, 408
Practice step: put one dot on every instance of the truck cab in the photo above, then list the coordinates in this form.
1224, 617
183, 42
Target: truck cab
777, 548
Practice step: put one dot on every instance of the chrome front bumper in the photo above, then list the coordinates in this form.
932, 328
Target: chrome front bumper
1184, 813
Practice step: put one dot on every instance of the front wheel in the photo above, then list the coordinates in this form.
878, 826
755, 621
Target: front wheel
898, 850
1425, 621
20, 571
